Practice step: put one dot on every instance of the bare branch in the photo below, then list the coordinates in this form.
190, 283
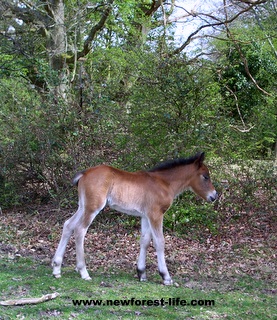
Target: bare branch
246, 67
93, 32
217, 22
242, 130
10, 10
237, 104
164, 16
154, 7
201, 54
255, 2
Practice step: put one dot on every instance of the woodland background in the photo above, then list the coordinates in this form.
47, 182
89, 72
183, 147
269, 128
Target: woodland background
132, 83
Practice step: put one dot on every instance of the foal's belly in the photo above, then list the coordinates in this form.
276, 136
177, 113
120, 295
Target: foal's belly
126, 209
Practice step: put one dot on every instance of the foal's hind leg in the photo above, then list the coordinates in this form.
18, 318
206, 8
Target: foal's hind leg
144, 244
80, 232
68, 228
156, 225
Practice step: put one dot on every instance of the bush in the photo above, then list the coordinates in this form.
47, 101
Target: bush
191, 214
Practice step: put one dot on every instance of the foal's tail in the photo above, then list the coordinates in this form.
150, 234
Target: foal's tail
77, 177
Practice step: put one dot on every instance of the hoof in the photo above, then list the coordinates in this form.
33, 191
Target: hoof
168, 282
57, 275
142, 279
84, 274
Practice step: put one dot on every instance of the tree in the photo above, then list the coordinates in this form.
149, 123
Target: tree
89, 81
68, 30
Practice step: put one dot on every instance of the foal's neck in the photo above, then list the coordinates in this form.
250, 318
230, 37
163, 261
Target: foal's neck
178, 178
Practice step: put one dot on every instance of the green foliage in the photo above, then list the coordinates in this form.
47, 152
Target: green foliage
130, 103
170, 113
189, 213
32, 144
251, 112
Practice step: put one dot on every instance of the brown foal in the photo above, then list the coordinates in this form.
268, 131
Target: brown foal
146, 194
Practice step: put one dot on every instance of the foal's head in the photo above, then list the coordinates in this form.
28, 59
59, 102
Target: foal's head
200, 182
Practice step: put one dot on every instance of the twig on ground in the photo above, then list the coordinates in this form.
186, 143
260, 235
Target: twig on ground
23, 301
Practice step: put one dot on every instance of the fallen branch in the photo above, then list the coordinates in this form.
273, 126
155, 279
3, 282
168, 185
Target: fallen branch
23, 301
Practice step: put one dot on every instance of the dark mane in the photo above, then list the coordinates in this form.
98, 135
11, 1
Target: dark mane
170, 164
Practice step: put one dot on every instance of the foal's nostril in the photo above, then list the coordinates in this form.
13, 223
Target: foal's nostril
213, 197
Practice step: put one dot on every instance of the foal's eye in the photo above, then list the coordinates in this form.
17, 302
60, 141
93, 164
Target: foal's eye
205, 177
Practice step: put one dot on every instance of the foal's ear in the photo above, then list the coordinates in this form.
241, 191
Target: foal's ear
200, 159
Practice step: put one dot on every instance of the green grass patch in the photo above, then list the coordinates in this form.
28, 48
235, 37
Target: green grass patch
24, 277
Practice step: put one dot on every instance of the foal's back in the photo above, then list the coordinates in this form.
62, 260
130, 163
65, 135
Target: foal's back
134, 193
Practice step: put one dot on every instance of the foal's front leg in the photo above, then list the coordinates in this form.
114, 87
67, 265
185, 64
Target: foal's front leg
144, 244
156, 225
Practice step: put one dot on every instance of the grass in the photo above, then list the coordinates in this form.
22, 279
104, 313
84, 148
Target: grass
22, 277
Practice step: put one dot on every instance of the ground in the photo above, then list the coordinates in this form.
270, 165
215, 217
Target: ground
243, 247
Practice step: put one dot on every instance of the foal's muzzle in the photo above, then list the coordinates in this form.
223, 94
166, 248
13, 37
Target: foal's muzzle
212, 196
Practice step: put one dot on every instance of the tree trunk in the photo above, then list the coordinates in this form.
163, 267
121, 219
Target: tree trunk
57, 48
